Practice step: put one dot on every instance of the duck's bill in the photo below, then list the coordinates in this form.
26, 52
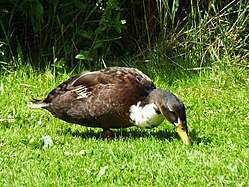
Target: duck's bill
181, 130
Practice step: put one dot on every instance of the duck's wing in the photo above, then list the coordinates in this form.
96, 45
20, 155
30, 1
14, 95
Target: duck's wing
115, 80
114, 88
115, 77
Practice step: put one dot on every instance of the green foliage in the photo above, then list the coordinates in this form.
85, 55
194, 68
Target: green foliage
199, 33
102, 37
44, 29
204, 32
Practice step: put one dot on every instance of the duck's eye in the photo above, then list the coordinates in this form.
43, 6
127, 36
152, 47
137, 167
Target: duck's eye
157, 111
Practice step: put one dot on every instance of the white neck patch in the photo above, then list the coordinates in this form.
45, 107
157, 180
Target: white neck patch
145, 117
178, 122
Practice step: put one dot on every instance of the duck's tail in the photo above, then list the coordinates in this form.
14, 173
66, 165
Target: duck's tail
37, 104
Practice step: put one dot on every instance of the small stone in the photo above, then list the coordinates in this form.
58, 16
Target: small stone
102, 171
46, 141
67, 153
82, 152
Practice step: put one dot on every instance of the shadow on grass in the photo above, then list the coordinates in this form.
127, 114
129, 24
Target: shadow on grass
136, 133
133, 133
129, 133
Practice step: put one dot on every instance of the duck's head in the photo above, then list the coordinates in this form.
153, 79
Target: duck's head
173, 110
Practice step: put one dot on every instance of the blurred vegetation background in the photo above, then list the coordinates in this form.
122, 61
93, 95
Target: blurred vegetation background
186, 33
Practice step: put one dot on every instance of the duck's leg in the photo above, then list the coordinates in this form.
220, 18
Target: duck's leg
108, 134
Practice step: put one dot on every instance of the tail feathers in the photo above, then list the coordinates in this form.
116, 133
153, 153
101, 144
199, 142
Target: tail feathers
38, 104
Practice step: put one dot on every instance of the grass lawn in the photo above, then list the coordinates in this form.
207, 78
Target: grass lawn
217, 102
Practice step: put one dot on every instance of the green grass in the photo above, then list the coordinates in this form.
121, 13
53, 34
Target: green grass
217, 102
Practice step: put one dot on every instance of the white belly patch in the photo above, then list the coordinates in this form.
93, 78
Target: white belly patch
145, 117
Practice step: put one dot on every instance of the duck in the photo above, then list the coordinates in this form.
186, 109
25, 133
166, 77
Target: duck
114, 98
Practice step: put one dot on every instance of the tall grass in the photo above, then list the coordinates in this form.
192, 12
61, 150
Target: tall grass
41, 30
209, 32
186, 33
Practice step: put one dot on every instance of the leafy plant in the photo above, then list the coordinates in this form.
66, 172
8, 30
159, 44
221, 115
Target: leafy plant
109, 27
61, 28
173, 32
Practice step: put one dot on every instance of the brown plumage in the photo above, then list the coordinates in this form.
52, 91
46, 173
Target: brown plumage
104, 99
